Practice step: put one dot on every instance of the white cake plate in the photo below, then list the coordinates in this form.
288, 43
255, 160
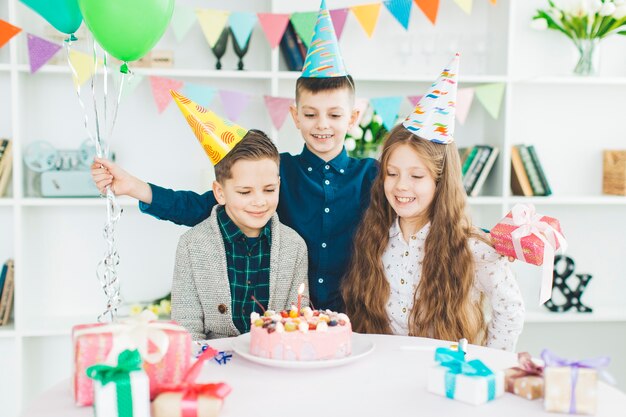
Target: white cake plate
360, 348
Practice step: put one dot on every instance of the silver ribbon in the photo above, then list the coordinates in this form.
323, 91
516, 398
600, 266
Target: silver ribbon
106, 271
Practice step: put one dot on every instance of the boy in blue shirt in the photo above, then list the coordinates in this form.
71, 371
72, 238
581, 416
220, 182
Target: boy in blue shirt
323, 191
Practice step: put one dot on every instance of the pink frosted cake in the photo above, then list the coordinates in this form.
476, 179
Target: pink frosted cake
308, 336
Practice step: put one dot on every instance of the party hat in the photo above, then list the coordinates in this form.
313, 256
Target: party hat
323, 59
433, 116
217, 136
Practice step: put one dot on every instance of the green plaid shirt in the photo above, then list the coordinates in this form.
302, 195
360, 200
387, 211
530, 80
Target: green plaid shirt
248, 265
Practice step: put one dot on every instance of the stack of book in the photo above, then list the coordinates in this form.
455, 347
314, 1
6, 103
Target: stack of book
293, 49
6, 163
477, 162
527, 175
6, 291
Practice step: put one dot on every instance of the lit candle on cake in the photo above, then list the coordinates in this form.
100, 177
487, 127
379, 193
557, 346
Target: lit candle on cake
300, 291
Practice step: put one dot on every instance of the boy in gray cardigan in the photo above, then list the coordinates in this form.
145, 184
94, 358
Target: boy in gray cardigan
241, 256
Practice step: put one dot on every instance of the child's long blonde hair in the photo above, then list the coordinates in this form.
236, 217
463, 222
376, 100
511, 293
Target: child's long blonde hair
442, 304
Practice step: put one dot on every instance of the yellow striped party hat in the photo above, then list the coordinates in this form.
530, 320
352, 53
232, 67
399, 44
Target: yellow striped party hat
217, 135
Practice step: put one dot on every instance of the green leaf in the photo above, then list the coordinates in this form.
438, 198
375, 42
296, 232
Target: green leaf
622, 32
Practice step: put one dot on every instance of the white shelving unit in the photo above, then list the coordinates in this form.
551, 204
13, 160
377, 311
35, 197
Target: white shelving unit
57, 243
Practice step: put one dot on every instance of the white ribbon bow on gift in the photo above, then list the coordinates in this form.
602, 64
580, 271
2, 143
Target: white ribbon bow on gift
528, 223
136, 332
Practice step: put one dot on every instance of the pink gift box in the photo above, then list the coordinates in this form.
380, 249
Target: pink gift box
93, 343
532, 246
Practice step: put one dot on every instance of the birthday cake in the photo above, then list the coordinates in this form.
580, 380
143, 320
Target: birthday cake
308, 336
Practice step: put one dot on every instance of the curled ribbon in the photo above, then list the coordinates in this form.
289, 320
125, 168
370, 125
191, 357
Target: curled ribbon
136, 333
526, 368
528, 223
191, 390
455, 362
598, 363
128, 361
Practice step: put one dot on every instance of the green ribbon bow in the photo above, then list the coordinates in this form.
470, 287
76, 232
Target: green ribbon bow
455, 362
127, 362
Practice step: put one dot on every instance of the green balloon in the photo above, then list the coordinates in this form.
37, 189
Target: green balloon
64, 15
127, 29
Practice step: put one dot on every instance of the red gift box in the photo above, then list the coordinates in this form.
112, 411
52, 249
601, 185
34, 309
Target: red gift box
165, 348
532, 245
531, 238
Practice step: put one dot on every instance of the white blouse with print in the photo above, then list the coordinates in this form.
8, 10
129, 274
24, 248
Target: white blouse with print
403, 267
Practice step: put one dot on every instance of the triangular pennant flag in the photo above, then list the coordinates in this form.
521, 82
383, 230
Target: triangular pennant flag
387, 108
433, 117
338, 16
161, 91
367, 15
303, 23
464, 98
278, 108
323, 59
493, 1
360, 104
242, 23
7, 31
212, 23
130, 83
40, 51
83, 65
415, 99
182, 20
234, 103
429, 8
273, 26
490, 96
465, 5
401, 10
216, 135
201, 94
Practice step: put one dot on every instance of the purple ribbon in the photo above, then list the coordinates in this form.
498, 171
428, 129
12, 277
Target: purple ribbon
551, 359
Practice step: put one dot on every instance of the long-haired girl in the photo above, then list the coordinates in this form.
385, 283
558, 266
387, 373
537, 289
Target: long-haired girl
419, 267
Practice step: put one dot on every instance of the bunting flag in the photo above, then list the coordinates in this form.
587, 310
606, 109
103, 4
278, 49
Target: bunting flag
242, 24
83, 65
401, 10
338, 16
161, 91
234, 103
7, 31
367, 15
387, 108
464, 98
415, 99
360, 104
490, 96
429, 8
493, 1
465, 5
278, 108
40, 51
130, 83
201, 94
304, 23
182, 20
273, 26
212, 23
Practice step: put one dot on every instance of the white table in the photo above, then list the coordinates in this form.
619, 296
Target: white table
391, 381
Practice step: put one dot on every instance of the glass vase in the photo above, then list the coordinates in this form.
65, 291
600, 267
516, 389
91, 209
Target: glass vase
588, 57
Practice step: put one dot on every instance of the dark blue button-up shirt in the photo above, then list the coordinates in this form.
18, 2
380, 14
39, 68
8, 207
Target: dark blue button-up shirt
322, 201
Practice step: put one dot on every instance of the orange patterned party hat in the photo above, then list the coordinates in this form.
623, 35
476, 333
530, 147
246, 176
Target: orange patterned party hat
217, 135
